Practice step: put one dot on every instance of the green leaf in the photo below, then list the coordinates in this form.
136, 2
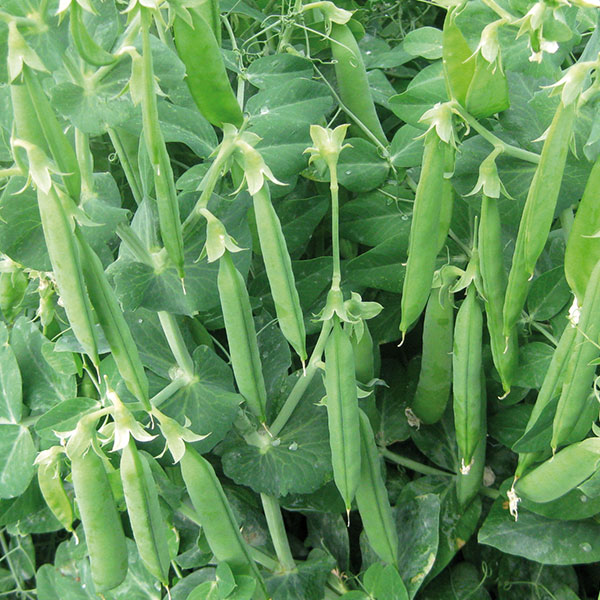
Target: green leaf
384, 583
18, 453
508, 424
548, 294
299, 218
392, 402
270, 71
329, 532
360, 168
425, 42
534, 360
437, 442
406, 150
461, 582
64, 417
11, 399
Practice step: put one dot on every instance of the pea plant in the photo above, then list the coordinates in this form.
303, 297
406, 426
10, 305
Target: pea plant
299, 300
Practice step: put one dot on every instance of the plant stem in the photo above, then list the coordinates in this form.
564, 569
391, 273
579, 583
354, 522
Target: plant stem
303, 382
262, 558
175, 340
413, 465
169, 390
276, 527
133, 243
335, 226
131, 173
86, 163
489, 492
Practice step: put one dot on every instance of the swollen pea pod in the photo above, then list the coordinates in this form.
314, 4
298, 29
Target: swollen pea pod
200, 52
101, 522
580, 373
562, 473
352, 81
583, 246
216, 517
211, 12
87, 47
60, 148
53, 489
342, 412
147, 522
488, 90
447, 199
372, 499
164, 183
424, 230
469, 405
435, 377
364, 356
538, 213
505, 352
279, 272
28, 127
66, 265
113, 323
241, 336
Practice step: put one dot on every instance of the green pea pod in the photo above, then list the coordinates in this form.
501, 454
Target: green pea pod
53, 491
364, 356
279, 272
583, 246
424, 229
447, 199
505, 352
241, 336
206, 76
469, 484
147, 522
538, 213
216, 517
60, 148
352, 81
372, 499
211, 12
469, 408
580, 374
562, 473
66, 265
26, 122
458, 69
113, 323
164, 183
101, 522
87, 47
13, 286
488, 90
342, 412
435, 378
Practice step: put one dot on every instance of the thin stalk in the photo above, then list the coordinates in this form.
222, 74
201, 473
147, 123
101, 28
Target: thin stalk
130, 170
14, 571
413, 465
504, 14
495, 141
135, 245
263, 559
303, 382
236, 51
169, 390
276, 527
86, 162
335, 227
489, 492
176, 344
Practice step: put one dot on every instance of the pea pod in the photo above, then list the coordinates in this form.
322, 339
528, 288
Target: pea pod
469, 484
563, 472
279, 272
538, 213
52, 487
447, 199
217, 519
66, 265
13, 285
583, 246
372, 499
424, 229
435, 377
505, 352
101, 522
241, 336
206, 76
113, 323
469, 407
147, 523
352, 80
87, 47
342, 412
580, 373
211, 12
488, 90
458, 69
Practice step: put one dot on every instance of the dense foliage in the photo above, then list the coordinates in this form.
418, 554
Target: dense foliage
299, 301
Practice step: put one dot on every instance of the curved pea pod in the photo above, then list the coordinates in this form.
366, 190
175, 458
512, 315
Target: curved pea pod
60, 148
352, 80
216, 517
447, 199
424, 229
372, 499
342, 412
505, 352
580, 373
458, 69
66, 264
583, 246
87, 47
469, 406
538, 213
488, 90
53, 489
113, 324
279, 272
101, 522
206, 76
435, 378
561, 473
241, 336
147, 522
